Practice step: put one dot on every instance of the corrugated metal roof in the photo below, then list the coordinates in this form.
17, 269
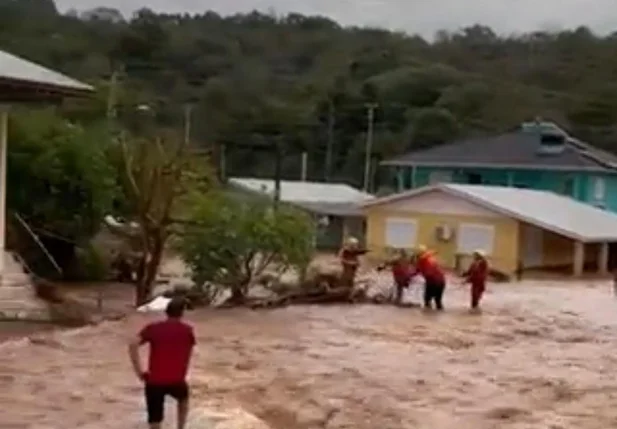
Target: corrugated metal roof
332, 209
327, 198
15, 68
516, 149
553, 212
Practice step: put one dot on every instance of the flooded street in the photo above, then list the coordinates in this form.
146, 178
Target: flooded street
541, 356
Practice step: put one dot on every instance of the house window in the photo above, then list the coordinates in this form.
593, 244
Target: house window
437, 177
473, 237
599, 189
474, 179
401, 233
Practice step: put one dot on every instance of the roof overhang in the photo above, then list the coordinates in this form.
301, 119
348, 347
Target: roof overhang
350, 209
487, 205
21, 91
330, 209
403, 163
22, 81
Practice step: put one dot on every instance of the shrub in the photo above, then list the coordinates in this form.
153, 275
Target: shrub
231, 242
89, 265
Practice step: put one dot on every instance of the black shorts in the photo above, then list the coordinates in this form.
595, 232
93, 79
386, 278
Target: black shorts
155, 398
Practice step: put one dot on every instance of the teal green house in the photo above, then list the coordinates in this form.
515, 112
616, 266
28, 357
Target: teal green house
536, 155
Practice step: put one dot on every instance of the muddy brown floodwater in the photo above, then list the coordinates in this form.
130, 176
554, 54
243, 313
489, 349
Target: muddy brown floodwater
541, 356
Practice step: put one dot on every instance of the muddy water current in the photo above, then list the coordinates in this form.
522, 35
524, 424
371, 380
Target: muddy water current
540, 356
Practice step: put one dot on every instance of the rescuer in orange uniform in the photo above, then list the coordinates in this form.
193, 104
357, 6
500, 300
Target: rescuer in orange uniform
401, 272
476, 275
434, 278
349, 256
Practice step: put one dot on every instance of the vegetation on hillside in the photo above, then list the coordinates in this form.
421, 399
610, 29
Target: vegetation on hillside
249, 86
256, 79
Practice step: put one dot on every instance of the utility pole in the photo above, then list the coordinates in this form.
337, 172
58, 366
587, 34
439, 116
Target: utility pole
330, 142
188, 113
304, 170
278, 171
223, 162
369, 144
112, 95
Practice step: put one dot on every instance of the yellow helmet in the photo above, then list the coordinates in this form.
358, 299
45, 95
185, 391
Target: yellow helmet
421, 249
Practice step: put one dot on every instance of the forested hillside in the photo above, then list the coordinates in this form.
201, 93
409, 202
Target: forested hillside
255, 80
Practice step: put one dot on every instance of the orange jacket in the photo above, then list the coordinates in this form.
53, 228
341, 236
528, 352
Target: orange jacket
428, 267
477, 272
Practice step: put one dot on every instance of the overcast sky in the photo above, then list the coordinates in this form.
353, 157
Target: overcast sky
414, 16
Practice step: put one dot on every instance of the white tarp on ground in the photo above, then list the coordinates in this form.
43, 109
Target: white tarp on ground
157, 304
203, 418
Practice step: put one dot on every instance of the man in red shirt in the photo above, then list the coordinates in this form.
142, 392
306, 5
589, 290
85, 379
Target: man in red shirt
434, 278
171, 344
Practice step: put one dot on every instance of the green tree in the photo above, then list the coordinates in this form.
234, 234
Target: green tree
467, 101
65, 181
231, 241
257, 70
432, 126
156, 177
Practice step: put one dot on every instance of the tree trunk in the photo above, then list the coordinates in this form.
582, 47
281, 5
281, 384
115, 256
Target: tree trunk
154, 263
238, 296
142, 292
148, 269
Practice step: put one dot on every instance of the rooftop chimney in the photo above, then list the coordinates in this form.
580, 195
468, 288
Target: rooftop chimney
551, 139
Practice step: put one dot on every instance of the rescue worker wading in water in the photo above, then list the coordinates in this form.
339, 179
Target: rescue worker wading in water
401, 273
434, 278
349, 256
476, 275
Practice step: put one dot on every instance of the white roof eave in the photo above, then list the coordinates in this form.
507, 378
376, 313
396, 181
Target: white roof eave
469, 192
14, 68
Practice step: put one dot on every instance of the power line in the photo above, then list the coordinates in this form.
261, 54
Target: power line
369, 143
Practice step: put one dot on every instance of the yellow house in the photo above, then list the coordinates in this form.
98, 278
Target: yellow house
517, 228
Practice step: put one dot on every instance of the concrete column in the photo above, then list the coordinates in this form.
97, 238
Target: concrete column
316, 227
346, 233
4, 131
579, 258
510, 179
603, 258
400, 179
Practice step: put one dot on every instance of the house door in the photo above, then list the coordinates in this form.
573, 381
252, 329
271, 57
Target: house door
474, 179
533, 247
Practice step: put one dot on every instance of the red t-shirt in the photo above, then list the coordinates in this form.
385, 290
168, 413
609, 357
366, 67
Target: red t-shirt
171, 343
